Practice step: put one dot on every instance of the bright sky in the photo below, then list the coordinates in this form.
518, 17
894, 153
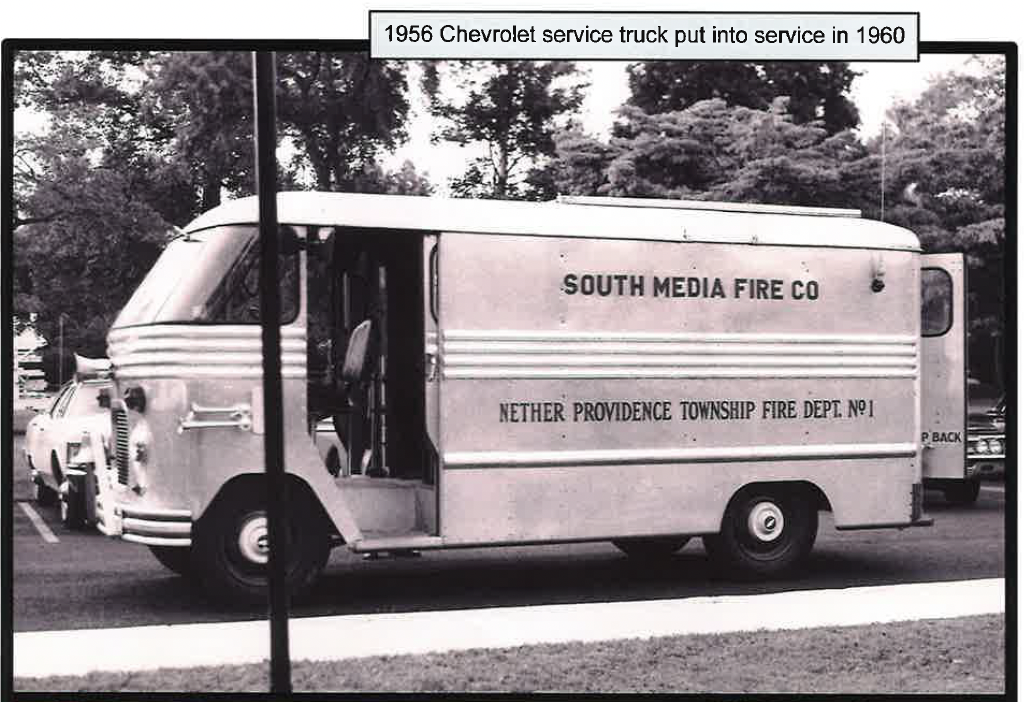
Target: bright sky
874, 91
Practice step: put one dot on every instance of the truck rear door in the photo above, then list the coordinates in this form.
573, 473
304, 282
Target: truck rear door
943, 366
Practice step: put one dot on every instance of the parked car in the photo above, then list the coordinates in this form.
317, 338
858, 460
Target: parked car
986, 443
53, 437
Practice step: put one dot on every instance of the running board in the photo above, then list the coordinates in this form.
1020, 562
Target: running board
397, 543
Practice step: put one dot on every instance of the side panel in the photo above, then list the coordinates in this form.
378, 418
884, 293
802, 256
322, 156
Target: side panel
597, 388
943, 366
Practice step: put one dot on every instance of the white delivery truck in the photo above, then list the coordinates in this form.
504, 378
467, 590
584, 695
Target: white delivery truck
499, 373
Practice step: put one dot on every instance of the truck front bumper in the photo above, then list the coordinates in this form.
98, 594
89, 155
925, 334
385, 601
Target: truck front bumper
145, 525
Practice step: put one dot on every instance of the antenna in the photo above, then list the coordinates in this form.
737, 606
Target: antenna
885, 125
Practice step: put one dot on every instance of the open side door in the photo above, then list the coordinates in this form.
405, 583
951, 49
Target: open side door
431, 371
943, 367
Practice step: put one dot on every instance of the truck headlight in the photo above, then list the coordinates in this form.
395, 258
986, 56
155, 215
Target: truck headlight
135, 399
981, 446
995, 445
139, 444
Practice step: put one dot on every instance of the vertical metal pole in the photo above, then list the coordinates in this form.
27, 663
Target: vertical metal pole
16, 394
885, 126
264, 79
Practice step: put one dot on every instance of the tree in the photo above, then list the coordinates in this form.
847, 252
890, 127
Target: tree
94, 194
817, 91
511, 107
341, 110
202, 102
945, 178
578, 167
711, 150
90, 246
405, 181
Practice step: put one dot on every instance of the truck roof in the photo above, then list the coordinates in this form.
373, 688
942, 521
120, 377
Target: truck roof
602, 218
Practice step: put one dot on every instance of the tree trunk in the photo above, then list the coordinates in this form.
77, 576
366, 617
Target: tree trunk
501, 175
211, 192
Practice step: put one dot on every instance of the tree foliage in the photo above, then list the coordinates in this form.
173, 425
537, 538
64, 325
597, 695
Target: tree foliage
817, 92
945, 167
201, 103
511, 107
341, 110
710, 150
95, 239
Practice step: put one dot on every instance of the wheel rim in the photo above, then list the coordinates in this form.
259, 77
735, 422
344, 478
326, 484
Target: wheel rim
766, 523
253, 539
762, 529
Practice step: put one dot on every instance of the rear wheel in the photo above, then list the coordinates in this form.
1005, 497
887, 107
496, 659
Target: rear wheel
962, 492
231, 549
766, 532
651, 548
177, 559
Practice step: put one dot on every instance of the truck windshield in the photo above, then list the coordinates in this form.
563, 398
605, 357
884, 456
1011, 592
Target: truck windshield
210, 277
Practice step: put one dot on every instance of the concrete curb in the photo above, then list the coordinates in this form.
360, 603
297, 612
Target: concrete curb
362, 635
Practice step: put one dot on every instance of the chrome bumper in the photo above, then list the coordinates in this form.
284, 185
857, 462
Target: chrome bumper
982, 466
152, 527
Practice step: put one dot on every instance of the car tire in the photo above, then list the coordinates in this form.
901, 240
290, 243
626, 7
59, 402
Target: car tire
72, 510
55, 471
766, 532
44, 495
177, 559
229, 545
651, 548
962, 492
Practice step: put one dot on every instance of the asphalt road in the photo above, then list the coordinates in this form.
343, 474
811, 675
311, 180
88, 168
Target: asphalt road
87, 580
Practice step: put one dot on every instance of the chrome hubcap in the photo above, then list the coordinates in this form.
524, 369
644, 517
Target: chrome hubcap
766, 522
253, 540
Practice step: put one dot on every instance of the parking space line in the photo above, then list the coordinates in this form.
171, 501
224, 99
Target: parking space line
993, 488
37, 521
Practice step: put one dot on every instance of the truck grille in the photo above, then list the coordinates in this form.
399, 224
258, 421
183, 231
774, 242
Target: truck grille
120, 421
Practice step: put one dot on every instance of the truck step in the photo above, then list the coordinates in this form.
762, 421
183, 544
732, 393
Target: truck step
404, 542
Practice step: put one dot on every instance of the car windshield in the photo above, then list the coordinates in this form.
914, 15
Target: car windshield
84, 401
210, 276
61, 395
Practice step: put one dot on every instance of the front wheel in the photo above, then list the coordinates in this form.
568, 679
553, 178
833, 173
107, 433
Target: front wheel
231, 549
651, 548
765, 533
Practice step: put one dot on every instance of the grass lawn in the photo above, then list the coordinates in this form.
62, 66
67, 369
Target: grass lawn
964, 655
